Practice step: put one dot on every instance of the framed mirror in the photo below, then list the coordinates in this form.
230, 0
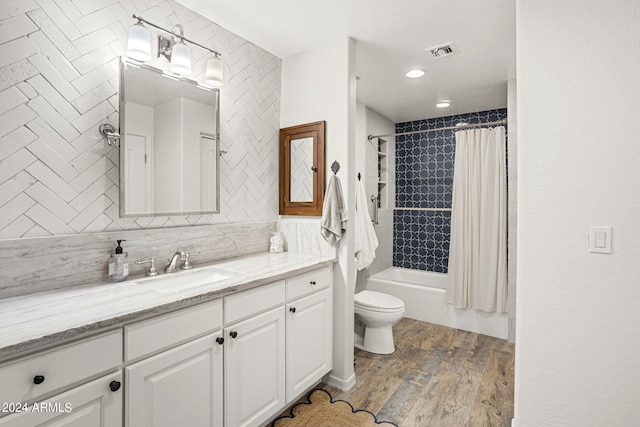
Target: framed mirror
169, 144
302, 174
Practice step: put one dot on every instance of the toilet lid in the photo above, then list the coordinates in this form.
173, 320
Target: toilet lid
378, 300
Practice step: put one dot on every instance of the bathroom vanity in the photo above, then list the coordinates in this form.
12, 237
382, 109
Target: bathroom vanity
233, 352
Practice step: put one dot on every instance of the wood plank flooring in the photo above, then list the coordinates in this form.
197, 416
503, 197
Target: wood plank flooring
438, 376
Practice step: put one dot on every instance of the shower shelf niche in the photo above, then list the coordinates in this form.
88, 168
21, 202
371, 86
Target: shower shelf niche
383, 172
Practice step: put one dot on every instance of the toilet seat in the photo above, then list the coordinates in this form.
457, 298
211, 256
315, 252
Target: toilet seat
378, 302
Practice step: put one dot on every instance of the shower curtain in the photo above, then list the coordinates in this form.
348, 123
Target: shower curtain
477, 271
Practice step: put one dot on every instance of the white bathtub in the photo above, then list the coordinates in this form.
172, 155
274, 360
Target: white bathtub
424, 299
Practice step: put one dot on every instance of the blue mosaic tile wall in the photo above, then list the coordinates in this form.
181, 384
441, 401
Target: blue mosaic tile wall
424, 180
421, 239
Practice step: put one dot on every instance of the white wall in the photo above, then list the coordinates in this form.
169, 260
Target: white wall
369, 122
377, 124
138, 171
167, 157
512, 213
198, 119
578, 325
320, 85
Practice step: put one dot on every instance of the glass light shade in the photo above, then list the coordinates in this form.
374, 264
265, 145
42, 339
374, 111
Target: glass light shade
139, 43
213, 75
180, 59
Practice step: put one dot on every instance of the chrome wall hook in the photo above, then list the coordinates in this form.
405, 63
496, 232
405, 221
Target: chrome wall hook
108, 131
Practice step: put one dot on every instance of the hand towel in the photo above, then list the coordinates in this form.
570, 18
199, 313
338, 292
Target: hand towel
366, 240
333, 224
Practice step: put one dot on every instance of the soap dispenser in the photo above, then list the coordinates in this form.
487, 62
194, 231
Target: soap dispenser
118, 264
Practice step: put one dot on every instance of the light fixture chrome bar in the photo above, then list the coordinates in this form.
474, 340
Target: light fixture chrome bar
472, 125
141, 19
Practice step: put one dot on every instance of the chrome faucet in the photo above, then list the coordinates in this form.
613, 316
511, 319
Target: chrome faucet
172, 267
173, 262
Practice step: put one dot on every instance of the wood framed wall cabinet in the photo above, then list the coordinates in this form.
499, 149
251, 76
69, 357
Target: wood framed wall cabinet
302, 169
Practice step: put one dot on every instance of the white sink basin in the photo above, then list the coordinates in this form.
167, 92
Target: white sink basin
183, 280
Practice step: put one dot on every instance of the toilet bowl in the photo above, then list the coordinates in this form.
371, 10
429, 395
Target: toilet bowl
375, 314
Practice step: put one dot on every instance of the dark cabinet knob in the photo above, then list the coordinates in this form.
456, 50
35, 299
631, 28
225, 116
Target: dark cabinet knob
233, 334
38, 379
313, 168
115, 385
220, 340
313, 282
292, 309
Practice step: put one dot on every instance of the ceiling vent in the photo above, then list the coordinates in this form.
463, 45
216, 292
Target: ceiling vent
442, 51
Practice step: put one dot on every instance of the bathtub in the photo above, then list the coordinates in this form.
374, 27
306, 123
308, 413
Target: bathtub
423, 294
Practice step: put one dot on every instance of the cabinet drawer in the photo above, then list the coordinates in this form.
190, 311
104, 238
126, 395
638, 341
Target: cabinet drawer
91, 404
169, 330
307, 283
60, 368
253, 301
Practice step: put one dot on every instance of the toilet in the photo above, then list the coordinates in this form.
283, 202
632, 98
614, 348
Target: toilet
375, 314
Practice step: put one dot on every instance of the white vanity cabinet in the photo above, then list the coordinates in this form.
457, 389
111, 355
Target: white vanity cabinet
309, 330
179, 385
236, 361
262, 348
255, 355
57, 387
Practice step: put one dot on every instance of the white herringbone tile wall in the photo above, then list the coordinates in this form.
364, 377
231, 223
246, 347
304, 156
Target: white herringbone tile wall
59, 82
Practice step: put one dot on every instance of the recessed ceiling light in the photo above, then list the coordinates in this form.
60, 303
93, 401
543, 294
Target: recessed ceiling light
414, 74
443, 104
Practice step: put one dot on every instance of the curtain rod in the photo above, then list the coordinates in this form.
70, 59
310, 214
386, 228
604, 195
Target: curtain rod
473, 125
139, 18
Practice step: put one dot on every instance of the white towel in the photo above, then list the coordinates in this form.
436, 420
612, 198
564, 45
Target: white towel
366, 240
334, 213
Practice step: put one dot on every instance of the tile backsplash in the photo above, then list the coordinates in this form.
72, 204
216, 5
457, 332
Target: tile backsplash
59, 82
53, 262
424, 190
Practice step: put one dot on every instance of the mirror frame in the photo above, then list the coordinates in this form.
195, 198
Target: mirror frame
124, 62
316, 131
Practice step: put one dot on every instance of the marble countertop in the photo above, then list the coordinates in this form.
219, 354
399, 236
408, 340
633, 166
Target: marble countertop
42, 320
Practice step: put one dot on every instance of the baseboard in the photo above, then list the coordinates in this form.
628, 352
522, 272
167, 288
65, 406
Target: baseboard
344, 385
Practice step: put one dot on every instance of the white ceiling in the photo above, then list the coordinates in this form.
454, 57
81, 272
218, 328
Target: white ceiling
391, 38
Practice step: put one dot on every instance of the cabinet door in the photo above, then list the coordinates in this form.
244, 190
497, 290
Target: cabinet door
90, 405
178, 387
309, 341
254, 369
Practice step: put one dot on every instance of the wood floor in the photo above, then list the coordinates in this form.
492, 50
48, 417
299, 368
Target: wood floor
438, 376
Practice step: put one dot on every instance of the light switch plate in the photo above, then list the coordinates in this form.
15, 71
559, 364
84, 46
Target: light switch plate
600, 239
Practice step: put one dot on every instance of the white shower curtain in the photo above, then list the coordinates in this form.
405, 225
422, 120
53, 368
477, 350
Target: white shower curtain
478, 250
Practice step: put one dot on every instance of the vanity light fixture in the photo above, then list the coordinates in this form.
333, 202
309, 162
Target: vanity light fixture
175, 51
443, 104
